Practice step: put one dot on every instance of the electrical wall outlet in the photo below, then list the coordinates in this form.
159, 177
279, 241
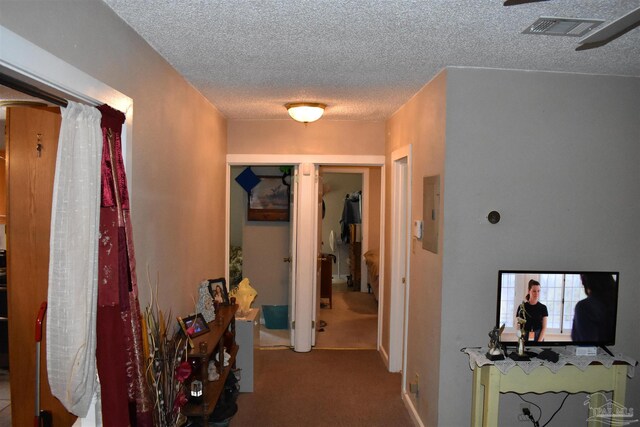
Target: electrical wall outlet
521, 415
414, 386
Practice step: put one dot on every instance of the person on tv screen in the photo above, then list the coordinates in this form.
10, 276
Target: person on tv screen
594, 316
536, 314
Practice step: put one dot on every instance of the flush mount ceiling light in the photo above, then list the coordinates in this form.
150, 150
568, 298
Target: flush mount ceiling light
305, 112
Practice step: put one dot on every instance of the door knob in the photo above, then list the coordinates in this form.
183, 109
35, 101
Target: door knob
287, 259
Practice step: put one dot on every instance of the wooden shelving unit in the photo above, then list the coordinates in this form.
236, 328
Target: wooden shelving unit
214, 339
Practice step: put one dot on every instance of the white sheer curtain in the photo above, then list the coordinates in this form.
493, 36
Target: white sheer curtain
73, 263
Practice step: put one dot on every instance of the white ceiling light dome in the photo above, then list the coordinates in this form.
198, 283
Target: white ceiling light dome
305, 112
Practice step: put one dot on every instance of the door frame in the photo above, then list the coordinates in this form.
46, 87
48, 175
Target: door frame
400, 245
30, 63
305, 265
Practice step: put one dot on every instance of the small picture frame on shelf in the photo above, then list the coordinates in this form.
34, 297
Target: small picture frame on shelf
183, 330
219, 291
197, 321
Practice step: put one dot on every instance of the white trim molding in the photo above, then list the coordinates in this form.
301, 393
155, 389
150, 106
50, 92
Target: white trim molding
413, 412
381, 264
28, 60
324, 160
383, 354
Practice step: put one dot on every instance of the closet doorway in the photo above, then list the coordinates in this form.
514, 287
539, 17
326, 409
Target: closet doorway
31, 148
24, 61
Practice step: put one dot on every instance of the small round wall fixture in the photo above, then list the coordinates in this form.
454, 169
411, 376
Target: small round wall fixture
494, 217
305, 112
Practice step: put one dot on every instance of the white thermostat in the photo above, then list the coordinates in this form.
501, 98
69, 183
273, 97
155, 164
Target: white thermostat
418, 227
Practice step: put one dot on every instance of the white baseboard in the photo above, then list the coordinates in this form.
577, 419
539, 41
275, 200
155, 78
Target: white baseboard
408, 403
385, 356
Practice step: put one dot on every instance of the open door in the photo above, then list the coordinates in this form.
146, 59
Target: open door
319, 255
293, 218
400, 250
32, 141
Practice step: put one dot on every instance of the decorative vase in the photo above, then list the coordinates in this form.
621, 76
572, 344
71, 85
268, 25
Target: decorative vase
521, 345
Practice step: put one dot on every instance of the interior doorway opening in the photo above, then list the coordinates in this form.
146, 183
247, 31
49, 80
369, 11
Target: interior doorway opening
260, 248
347, 313
304, 232
342, 224
24, 61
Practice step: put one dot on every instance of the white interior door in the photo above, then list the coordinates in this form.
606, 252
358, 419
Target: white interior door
319, 258
400, 220
306, 257
293, 216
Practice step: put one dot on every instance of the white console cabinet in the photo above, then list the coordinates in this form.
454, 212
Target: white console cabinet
248, 339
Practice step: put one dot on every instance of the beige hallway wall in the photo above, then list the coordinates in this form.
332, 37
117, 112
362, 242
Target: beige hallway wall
420, 122
290, 137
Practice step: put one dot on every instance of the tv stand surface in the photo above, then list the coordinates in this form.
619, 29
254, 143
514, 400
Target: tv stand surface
489, 382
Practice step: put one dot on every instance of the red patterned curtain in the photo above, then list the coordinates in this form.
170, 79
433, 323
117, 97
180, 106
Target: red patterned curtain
120, 360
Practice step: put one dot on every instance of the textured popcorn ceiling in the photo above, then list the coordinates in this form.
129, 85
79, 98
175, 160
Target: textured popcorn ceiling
364, 58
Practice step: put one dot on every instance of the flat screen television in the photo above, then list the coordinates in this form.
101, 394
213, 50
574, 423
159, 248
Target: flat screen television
580, 307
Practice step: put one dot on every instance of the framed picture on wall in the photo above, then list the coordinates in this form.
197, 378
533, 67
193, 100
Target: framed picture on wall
269, 200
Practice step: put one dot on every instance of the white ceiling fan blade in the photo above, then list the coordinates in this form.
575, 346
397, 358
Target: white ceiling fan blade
611, 31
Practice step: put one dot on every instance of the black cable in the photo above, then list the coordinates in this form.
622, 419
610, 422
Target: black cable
557, 410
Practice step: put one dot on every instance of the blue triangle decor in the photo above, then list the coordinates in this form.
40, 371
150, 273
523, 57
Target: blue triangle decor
247, 179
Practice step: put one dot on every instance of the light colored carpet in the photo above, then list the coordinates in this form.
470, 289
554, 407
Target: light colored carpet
351, 323
274, 337
339, 285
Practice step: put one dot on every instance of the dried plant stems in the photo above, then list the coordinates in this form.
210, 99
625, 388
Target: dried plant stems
165, 349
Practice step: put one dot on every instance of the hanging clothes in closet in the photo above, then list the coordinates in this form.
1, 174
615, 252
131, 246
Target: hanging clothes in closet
351, 214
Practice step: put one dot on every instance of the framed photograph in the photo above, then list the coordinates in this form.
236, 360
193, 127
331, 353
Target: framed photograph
269, 200
197, 321
218, 290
